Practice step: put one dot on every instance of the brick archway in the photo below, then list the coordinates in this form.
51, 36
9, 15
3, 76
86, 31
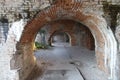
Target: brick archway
66, 26
69, 33
105, 43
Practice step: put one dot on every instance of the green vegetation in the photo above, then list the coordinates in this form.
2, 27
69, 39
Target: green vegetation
41, 46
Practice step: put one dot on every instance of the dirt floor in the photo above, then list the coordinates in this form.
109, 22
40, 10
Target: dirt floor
68, 63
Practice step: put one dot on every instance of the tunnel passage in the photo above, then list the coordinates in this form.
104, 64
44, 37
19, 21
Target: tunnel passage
62, 37
105, 44
80, 34
57, 26
63, 26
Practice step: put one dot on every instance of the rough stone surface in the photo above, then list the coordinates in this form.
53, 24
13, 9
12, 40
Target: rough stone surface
8, 49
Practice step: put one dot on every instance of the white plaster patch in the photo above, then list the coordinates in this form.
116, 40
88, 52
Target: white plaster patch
8, 49
17, 28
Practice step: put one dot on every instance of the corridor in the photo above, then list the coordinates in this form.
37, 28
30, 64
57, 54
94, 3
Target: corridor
68, 63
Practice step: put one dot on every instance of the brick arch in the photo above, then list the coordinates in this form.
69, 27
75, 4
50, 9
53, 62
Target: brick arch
105, 43
71, 26
69, 33
64, 26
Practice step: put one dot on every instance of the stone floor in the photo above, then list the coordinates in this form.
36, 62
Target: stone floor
68, 63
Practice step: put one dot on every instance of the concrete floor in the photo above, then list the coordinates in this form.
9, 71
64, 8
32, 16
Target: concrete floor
68, 63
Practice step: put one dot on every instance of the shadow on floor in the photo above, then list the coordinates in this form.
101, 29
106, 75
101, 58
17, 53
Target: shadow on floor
35, 73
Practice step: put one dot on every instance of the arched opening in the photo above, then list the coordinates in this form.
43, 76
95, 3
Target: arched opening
77, 55
60, 38
105, 44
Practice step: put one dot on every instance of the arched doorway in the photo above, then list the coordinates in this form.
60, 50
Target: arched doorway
105, 44
60, 38
69, 35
